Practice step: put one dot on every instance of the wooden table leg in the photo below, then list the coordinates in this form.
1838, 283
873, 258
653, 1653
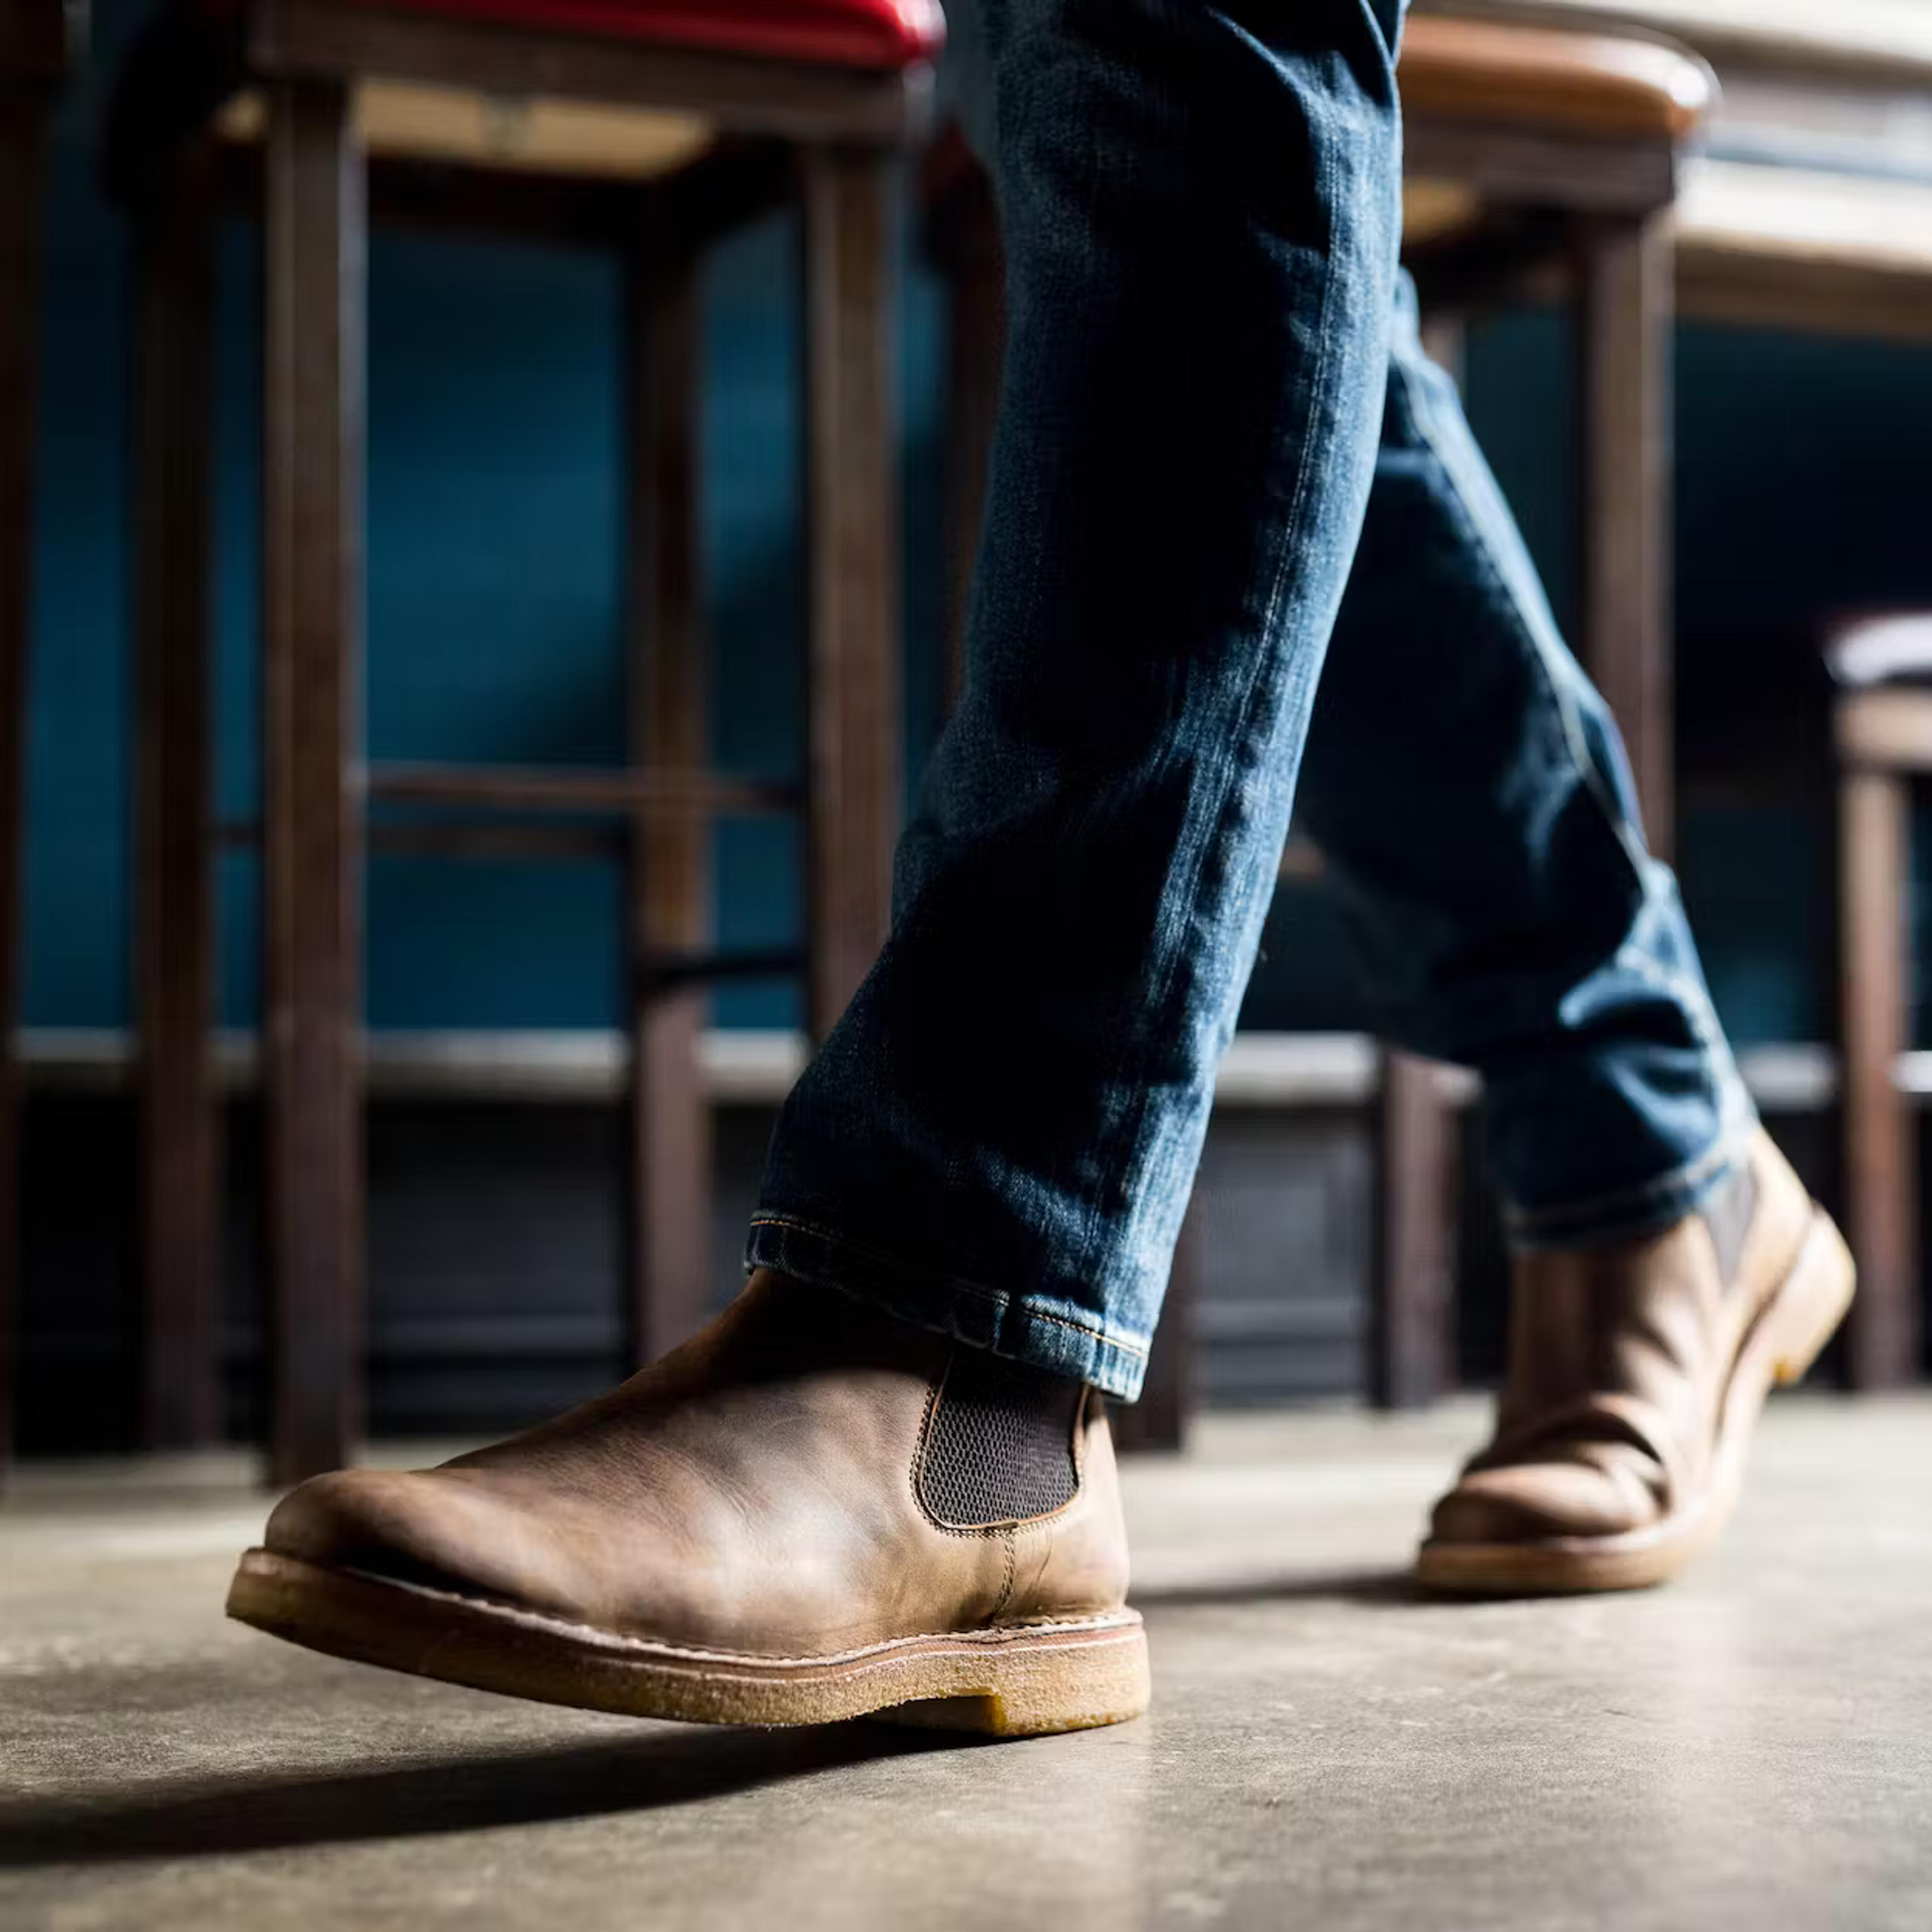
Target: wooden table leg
1624, 345
23, 144
180, 1257
668, 1189
1412, 1325
312, 617
1882, 1333
852, 750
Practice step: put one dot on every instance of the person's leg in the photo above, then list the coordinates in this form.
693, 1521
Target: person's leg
1469, 790
1200, 207
878, 1478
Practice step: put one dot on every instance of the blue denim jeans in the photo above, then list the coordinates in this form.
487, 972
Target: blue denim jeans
1220, 446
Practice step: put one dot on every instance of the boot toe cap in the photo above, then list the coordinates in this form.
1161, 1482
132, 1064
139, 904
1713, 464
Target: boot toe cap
1536, 1503
410, 1526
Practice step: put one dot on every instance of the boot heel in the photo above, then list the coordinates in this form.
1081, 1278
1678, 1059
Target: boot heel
1812, 1301
1034, 1691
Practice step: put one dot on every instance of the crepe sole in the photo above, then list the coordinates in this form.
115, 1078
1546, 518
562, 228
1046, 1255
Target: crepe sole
1008, 1680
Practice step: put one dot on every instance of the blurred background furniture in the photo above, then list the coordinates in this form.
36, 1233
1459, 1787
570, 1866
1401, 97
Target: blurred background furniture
37, 38
497, 1067
1881, 667
1528, 151
762, 100
1810, 204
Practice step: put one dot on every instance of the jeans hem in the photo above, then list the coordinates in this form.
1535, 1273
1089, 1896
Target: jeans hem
1024, 1327
1633, 1212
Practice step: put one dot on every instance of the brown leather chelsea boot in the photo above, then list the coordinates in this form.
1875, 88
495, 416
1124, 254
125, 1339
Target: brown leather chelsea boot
808, 1512
1636, 1373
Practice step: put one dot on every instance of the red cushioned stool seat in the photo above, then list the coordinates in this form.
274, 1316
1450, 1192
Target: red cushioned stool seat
877, 34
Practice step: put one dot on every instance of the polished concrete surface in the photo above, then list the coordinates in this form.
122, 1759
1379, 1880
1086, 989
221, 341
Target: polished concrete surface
1752, 1748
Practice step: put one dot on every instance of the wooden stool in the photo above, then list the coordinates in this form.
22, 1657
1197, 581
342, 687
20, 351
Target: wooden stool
1529, 150
1883, 726
36, 37
773, 95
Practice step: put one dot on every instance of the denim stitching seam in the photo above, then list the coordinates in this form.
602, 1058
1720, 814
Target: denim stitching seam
1691, 1174
1000, 1297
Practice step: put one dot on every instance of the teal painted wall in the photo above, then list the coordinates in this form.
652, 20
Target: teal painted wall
493, 574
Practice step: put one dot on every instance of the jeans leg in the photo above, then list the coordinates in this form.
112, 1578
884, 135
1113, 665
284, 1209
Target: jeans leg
1467, 784
1200, 205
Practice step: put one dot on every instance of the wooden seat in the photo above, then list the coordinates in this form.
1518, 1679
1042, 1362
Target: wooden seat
644, 126
1553, 79
1811, 209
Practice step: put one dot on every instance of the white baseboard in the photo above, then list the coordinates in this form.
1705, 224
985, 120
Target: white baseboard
755, 1068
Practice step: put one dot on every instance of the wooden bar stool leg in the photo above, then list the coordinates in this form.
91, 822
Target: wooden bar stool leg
1411, 1331
1880, 1151
312, 615
668, 1187
853, 749
1624, 332
180, 1258
1412, 1325
23, 144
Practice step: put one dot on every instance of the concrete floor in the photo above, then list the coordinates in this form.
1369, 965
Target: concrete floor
1751, 1748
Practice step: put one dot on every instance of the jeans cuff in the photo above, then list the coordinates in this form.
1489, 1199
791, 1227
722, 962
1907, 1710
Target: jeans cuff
1634, 1212
1025, 1328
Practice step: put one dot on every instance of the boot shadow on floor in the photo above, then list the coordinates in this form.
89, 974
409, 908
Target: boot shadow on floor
210, 1816
1373, 1589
